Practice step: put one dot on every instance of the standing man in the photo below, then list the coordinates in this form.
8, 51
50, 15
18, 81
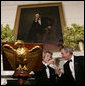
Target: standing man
73, 68
39, 27
47, 75
36, 30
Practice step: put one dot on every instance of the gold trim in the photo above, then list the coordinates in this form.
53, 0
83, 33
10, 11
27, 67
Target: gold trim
17, 22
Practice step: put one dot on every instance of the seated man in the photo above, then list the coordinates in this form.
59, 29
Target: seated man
47, 75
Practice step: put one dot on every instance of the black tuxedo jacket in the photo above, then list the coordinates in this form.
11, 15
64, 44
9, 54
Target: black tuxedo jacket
79, 73
79, 69
42, 79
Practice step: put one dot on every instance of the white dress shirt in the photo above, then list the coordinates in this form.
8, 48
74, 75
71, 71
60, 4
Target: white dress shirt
47, 70
39, 21
71, 65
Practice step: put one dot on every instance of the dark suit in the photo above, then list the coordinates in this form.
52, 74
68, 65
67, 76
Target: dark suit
42, 79
79, 73
37, 30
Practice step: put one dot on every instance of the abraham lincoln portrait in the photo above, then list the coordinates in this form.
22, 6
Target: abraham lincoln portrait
40, 23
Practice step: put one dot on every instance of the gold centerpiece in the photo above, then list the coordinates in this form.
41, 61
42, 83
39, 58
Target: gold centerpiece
22, 58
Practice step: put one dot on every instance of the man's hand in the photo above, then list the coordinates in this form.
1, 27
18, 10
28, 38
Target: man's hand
36, 19
58, 71
51, 62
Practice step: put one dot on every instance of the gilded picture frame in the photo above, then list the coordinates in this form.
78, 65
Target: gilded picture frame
24, 18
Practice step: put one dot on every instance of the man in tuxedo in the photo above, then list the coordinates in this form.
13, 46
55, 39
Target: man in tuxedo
47, 75
73, 68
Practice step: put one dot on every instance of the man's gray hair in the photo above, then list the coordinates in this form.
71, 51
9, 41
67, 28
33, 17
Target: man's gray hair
68, 49
46, 53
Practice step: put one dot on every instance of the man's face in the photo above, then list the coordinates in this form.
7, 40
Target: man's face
65, 54
47, 57
37, 15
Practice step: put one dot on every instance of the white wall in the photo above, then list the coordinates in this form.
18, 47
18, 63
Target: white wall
73, 11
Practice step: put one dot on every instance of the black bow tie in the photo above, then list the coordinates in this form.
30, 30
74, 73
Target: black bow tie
69, 61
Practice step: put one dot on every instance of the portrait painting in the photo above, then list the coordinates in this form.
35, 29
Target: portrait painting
40, 23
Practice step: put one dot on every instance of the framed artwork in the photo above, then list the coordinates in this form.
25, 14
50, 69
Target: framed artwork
47, 30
